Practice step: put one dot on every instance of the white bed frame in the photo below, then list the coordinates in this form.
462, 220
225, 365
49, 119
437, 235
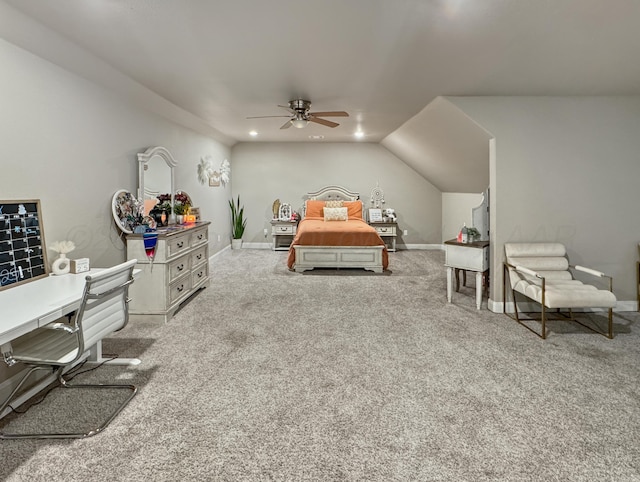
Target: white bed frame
309, 257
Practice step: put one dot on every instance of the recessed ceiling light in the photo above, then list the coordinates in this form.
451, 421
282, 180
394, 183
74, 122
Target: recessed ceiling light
253, 133
358, 134
316, 138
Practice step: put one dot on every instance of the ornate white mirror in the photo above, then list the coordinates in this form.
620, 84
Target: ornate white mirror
155, 175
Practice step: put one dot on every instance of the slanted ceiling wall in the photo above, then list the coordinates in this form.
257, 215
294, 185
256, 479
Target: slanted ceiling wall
445, 146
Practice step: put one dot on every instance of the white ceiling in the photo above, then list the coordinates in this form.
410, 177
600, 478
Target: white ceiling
382, 61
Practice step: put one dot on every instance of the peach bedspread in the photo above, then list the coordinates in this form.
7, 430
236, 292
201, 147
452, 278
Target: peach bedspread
315, 231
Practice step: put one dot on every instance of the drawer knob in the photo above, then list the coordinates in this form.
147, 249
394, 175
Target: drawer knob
180, 288
199, 256
200, 236
181, 267
180, 244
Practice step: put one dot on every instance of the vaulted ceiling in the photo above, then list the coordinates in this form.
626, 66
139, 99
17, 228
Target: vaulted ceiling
382, 61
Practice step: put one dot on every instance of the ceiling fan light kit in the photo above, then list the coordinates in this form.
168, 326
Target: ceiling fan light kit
300, 116
299, 123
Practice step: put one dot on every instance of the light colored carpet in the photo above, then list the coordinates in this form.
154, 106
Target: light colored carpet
343, 376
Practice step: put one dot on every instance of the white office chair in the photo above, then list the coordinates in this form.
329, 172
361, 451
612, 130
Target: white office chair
58, 346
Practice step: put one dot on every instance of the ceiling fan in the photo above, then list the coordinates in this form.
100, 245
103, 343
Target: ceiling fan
300, 116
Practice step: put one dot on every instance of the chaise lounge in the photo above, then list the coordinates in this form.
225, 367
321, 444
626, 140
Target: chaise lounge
541, 272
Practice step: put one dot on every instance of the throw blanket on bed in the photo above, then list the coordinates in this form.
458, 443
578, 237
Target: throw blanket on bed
315, 231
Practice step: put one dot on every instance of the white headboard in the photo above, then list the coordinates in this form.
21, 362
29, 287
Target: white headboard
333, 193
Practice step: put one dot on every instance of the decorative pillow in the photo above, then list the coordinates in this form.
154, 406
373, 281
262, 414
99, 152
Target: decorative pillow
313, 208
335, 214
333, 204
354, 208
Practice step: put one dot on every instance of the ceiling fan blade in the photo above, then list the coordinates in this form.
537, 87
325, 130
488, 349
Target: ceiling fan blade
339, 113
324, 122
287, 107
265, 116
286, 125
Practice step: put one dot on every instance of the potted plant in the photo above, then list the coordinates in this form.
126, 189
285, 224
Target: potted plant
238, 223
473, 235
180, 210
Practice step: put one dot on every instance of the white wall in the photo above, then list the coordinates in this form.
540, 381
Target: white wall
565, 169
72, 144
456, 211
286, 171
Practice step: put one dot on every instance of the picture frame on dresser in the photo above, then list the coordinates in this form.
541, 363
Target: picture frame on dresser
375, 215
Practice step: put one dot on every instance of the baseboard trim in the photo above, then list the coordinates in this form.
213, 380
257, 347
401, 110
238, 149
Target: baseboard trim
420, 246
257, 245
218, 253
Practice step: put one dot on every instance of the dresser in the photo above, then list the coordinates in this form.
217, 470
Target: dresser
179, 269
388, 232
467, 257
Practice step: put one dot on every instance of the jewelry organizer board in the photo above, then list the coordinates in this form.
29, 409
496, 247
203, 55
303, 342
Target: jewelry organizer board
23, 254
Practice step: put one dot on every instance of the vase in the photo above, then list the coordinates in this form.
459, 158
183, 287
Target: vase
160, 216
236, 243
179, 219
61, 265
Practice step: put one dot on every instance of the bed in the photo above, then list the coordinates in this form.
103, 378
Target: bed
334, 234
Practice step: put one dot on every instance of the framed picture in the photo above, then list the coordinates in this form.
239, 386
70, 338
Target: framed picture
23, 254
195, 212
375, 215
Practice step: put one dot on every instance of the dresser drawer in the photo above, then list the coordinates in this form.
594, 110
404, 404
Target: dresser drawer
179, 289
200, 275
283, 229
177, 245
386, 230
178, 267
199, 237
467, 257
199, 256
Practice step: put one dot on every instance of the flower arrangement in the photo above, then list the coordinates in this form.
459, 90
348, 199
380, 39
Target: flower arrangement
61, 264
164, 203
62, 247
130, 210
181, 209
181, 205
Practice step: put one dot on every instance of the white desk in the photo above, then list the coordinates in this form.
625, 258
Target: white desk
468, 257
37, 303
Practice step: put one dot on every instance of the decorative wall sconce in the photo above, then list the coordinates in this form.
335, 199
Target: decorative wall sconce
206, 174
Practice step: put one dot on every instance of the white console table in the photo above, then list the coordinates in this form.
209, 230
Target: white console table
467, 257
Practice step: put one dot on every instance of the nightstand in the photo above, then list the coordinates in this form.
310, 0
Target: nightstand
387, 231
283, 233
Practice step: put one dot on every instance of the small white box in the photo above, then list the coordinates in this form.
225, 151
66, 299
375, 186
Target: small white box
79, 265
